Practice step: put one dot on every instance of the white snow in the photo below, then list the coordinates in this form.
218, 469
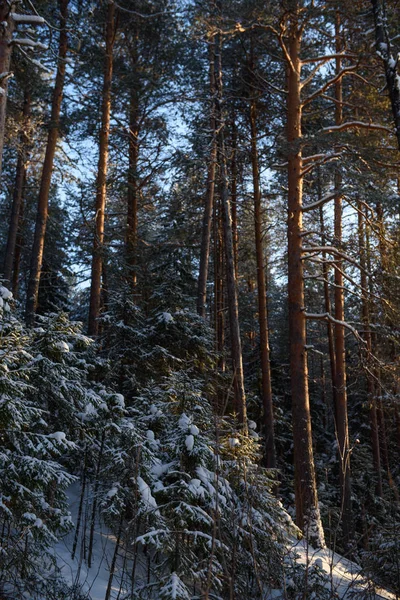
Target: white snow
166, 317
5, 293
61, 346
184, 421
119, 400
34, 19
59, 436
189, 442
194, 430
146, 495
345, 577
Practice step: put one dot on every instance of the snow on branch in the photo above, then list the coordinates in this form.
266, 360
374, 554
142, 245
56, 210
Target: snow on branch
320, 202
332, 250
325, 158
332, 81
355, 125
27, 42
27, 19
327, 57
328, 317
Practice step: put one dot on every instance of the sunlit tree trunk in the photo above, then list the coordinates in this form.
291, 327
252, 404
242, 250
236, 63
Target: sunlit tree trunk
307, 510
43, 201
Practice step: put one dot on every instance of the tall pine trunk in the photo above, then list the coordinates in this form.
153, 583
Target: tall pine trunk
133, 191
307, 510
342, 428
232, 291
18, 190
365, 316
101, 183
208, 208
234, 196
262, 298
43, 201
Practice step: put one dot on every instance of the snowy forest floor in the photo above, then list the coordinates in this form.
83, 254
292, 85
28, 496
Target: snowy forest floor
344, 579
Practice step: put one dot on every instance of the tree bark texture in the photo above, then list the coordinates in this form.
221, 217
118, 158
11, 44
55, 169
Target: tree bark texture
341, 416
6, 32
133, 191
209, 201
232, 291
267, 400
101, 183
389, 62
365, 316
307, 510
43, 201
18, 190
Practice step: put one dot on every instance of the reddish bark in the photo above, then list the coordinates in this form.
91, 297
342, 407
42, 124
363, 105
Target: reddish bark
307, 511
43, 201
101, 183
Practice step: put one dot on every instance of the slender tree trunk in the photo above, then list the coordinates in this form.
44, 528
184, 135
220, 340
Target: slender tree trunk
19, 242
327, 298
342, 429
219, 286
133, 191
208, 208
368, 339
232, 292
18, 190
6, 32
234, 175
101, 183
307, 511
267, 401
43, 202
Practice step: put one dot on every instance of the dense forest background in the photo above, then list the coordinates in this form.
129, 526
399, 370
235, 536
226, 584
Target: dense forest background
200, 307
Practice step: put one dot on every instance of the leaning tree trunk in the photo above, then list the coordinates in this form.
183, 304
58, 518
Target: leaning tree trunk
208, 208
307, 511
18, 190
101, 183
43, 202
341, 417
270, 455
6, 31
232, 291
